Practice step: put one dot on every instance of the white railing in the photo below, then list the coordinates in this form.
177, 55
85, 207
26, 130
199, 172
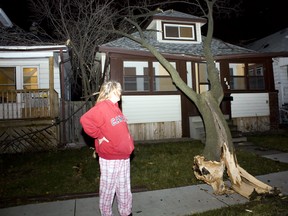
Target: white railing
284, 114
30, 103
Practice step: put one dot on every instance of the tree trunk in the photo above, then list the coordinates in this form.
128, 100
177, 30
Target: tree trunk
219, 151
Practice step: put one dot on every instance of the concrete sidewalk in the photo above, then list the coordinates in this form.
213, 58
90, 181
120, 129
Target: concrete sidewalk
169, 202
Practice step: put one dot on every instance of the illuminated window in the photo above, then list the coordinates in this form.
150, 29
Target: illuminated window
30, 78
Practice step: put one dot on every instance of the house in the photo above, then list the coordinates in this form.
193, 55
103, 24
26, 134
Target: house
156, 109
277, 44
31, 88
4, 19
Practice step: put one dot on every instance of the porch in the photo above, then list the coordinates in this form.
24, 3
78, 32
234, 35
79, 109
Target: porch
26, 118
28, 104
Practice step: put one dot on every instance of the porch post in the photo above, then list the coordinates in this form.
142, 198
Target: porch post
274, 110
51, 86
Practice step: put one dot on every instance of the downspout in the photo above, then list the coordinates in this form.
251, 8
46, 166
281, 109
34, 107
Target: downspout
63, 130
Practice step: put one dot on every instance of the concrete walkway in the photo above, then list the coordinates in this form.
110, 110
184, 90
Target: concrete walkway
169, 202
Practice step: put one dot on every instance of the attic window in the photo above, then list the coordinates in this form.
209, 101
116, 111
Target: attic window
176, 31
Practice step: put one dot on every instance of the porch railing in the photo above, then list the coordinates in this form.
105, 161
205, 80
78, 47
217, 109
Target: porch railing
284, 114
28, 103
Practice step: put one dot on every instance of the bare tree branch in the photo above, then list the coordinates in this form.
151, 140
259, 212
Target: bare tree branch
81, 23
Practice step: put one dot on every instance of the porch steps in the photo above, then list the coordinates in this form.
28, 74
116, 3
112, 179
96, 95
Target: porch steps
197, 130
237, 136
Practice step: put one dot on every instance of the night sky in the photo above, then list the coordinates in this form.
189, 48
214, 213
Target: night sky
259, 19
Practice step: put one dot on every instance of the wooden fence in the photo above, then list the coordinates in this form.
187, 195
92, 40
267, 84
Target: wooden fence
42, 134
71, 129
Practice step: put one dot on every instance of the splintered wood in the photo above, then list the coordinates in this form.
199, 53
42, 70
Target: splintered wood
211, 172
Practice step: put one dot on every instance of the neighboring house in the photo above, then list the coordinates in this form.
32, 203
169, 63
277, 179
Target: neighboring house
156, 109
30, 89
31, 85
4, 20
277, 44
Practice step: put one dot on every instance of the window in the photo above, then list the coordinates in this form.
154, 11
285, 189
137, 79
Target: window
136, 76
246, 76
202, 77
17, 78
237, 76
174, 31
30, 78
162, 79
7, 78
142, 76
7, 82
256, 78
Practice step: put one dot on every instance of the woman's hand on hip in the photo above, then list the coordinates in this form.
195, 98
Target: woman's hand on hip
102, 140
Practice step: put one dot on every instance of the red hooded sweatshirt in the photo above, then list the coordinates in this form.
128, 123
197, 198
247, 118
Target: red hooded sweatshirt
105, 119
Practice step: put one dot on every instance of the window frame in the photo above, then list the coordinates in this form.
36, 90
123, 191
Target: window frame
202, 85
151, 78
31, 84
179, 37
14, 76
249, 67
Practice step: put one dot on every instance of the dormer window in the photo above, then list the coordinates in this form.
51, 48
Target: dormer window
177, 31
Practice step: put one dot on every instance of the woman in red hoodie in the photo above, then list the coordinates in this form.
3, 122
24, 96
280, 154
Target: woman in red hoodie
108, 126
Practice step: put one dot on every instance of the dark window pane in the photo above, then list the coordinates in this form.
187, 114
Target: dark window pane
7, 76
256, 83
172, 31
136, 83
129, 71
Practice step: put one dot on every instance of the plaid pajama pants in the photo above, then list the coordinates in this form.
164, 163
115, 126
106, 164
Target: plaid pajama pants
115, 178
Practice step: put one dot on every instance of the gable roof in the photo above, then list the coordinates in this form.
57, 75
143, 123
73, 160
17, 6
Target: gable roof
277, 42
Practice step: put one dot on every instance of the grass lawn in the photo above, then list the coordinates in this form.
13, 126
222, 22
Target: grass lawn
270, 206
153, 166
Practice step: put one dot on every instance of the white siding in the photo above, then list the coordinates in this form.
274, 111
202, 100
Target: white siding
280, 68
145, 109
189, 74
24, 54
57, 75
42, 64
250, 105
